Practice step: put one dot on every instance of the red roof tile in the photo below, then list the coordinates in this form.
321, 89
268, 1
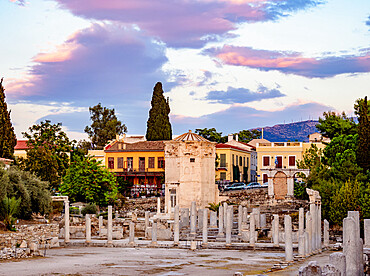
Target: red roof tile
21, 145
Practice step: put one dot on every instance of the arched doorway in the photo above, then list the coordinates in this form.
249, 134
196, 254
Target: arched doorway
280, 185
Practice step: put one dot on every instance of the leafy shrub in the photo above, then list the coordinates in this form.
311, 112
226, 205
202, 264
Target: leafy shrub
89, 209
74, 210
8, 209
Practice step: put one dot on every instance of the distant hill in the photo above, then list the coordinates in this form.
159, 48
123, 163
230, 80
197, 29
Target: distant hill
293, 131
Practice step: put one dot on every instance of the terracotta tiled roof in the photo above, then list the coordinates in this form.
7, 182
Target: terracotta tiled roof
190, 136
138, 146
21, 145
226, 146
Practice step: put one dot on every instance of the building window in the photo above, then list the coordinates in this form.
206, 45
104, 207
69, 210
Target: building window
279, 162
141, 163
120, 162
244, 161
151, 163
236, 160
192, 160
266, 161
161, 162
291, 161
232, 156
223, 176
240, 161
247, 161
264, 178
110, 162
223, 161
130, 163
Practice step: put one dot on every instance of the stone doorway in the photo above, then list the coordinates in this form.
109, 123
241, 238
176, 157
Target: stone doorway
280, 185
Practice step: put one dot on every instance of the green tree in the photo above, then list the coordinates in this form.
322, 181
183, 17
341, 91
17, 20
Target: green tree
248, 135
104, 127
33, 193
47, 153
158, 125
346, 199
8, 210
333, 125
362, 110
7, 136
87, 180
211, 134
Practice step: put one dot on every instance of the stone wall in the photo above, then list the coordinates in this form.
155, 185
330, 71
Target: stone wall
28, 240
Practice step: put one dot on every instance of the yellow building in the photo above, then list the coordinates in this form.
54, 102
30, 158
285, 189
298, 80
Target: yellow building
20, 149
233, 163
280, 155
141, 163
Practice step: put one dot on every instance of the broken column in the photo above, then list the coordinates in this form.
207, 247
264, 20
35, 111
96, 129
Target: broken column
154, 233
240, 219
205, 227
193, 218
352, 244
110, 225
184, 222
176, 226
66, 221
339, 261
263, 221
326, 233
306, 242
252, 229
220, 221
309, 232
225, 211
200, 219
275, 232
213, 219
100, 224
257, 213
229, 221
88, 228
147, 213
132, 234
158, 205
313, 227
367, 233
301, 238
288, 238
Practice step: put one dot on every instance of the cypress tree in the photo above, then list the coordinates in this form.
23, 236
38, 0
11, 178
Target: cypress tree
7, 136
362, 110
158, 125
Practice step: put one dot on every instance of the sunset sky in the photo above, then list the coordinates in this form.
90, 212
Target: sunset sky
228, 64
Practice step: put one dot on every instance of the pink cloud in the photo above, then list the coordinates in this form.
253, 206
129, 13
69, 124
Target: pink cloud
184, 23
291, 63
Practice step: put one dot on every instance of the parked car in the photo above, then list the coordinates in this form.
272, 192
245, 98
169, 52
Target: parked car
254, 185
236, 186
265, 185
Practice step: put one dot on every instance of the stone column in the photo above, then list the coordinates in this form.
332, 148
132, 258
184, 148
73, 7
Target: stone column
225, 211
229, 222
367, 233
257, 213
326, 233
213, 219
110, 226
176, 227
275, 236
154, 233
301, 222
301, 246
319, 232
185, 222
252, 229
66, 221
205, 227
88, 228
245, 214
158, 205
132, 234
314, 226
290, 186
221, 221
355, 215
100, 224
200, 219
288, 238
240, 219
147, 213
193, 218
306, 242
263, 221
270, 188
309, 231
339, 261
350, 244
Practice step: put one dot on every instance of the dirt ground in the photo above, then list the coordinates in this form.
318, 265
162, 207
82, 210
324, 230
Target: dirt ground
151, 261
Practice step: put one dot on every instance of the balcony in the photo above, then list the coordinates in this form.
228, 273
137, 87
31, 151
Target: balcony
222, 166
